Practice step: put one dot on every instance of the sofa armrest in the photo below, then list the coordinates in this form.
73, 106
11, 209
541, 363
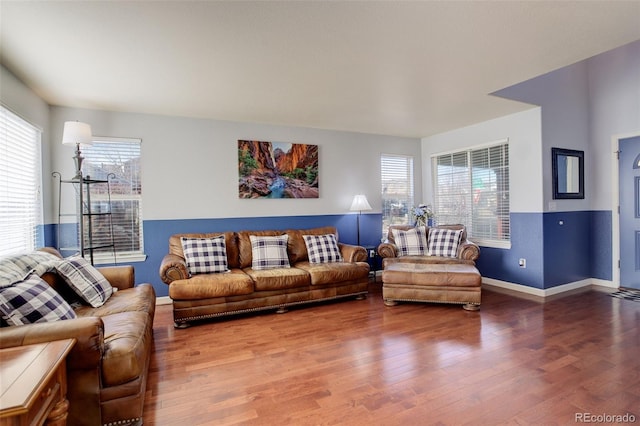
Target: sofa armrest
119, 276
468, 250
351, 253
88, 331
387, 250
173, 267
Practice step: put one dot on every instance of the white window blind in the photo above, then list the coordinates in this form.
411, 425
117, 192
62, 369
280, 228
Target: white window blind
20, 184
472, 188
118, 161
397, 190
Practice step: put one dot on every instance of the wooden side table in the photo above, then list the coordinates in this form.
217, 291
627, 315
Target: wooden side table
33, 384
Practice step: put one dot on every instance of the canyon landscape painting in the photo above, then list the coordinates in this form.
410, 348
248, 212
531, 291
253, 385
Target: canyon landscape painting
277, 170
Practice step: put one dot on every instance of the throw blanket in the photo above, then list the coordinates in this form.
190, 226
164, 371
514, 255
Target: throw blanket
16, 268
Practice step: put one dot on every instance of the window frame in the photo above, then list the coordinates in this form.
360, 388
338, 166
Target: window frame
469, 222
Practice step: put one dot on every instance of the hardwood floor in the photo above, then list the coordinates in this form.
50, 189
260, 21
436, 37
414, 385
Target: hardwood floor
516, 361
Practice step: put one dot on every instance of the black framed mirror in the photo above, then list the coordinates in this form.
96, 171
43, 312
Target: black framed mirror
568, 173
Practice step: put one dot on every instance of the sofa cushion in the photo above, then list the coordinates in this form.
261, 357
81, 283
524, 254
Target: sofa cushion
444, 242
205, 255
85, 280
125, 347
322, 248
32, 301
269, 252
206, 286
278, 279
334, 273
412, 242
140, 298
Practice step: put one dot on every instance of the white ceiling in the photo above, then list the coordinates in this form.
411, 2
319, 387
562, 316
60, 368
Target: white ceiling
396, 68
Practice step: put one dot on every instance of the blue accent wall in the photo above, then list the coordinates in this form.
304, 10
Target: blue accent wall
566, 247
526, 243
556, 254
601, 249
157, 233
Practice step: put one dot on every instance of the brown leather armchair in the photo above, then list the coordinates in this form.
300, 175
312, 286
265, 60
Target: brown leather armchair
468, 251
107, 367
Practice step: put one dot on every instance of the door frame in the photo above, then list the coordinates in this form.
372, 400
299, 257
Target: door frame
615, 216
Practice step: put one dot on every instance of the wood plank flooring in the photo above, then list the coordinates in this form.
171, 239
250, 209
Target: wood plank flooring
516, 361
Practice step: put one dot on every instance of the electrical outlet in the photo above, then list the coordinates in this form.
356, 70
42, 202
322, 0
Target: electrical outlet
372, 253
522, 263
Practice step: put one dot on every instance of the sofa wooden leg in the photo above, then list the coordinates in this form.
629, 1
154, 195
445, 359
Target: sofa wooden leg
389, 302
282, 310
471, 307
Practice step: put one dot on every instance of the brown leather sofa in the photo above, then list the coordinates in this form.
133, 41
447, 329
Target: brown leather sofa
244, 289
108, 365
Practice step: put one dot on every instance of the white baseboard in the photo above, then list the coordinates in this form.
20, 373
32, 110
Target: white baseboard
490, 282
549, 291
163, 300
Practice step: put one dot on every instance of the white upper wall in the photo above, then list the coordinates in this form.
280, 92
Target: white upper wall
563, 97
190, 166
525, 155
614, 110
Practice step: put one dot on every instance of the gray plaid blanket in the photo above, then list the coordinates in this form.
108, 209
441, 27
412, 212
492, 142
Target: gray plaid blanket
16, 268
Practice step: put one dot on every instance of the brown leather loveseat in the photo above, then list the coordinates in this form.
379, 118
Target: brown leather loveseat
245, 289
108, 365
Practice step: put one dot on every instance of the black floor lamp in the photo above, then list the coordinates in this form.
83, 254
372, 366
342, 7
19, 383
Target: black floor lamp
359, 204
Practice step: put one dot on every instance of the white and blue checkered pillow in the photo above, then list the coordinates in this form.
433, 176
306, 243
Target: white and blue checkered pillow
269, 252
444, 242
322, 248
85, 280
205, 255
31, 301
412, 242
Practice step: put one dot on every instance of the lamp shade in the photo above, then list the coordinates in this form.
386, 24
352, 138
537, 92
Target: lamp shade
360, 203
76, 132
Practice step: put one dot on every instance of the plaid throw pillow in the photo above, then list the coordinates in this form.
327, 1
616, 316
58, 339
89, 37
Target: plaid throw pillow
31, 301
412, 242
205, 255
85, 280
444, 242
269, 252
322, 248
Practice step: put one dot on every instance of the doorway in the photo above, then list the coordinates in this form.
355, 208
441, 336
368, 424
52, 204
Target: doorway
629, 214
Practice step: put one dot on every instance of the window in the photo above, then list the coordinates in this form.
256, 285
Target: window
397, 190
472, 188
20, 184
117, 160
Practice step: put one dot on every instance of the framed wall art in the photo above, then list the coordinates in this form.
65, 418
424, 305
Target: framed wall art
277, 170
